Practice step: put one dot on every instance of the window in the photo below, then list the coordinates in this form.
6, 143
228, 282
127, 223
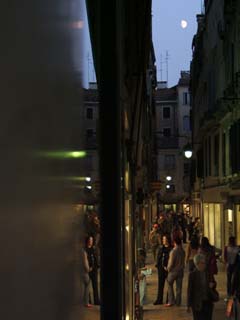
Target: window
185, 98
167, 132
166, 112
89, 113
186, 123
169, 161
89, 133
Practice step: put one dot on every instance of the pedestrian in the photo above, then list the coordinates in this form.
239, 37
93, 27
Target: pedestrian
161, 265
93, 265
85, 275
190, 228
154, 240
175, 270
235, 288
211, 262
191, 251
198, 298
177, 232
230, 254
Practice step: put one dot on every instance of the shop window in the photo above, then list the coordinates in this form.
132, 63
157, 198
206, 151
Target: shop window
206, 219
213, 223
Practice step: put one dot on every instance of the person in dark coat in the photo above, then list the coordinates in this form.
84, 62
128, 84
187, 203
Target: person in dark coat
161, 265
230, 256
198, 299
93, 265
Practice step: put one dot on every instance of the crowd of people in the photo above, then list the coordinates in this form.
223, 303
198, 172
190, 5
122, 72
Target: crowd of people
176, 242
169, 232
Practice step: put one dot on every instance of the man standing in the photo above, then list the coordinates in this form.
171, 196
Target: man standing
175, 270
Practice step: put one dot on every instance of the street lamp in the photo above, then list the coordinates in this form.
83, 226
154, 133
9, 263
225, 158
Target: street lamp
168, 178
187, 151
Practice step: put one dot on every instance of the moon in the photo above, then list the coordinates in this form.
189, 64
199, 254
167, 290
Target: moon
184, 24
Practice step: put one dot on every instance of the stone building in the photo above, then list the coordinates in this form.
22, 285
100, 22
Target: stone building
215, 88
173, 132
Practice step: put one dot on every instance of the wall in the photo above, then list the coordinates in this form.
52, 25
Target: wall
38, 226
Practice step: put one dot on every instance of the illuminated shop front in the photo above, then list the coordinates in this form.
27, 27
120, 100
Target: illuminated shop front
212, 218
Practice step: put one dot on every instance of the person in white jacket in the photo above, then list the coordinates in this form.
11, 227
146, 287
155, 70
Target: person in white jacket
175, 268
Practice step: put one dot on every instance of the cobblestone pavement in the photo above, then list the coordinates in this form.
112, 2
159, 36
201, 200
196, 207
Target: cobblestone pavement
152, 312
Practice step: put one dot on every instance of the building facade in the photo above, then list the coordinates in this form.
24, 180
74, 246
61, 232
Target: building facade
216, 120
173, 132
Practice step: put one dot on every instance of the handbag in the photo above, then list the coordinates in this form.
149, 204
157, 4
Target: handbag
213, 295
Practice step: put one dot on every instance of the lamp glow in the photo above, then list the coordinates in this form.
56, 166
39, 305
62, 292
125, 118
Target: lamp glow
168, 178
188, 154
